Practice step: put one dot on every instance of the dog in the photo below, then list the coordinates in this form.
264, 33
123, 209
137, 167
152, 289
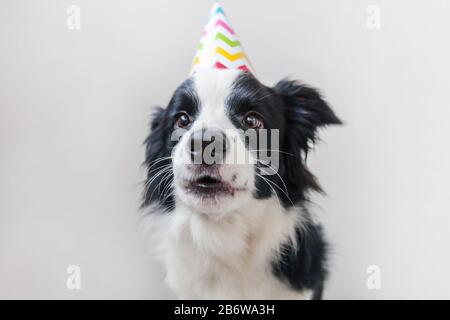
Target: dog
229, 230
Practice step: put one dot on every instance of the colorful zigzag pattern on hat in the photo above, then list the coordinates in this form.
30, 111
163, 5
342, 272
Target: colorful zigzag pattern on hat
219, 46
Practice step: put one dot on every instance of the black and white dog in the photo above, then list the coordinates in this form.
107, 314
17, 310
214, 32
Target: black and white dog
224, 229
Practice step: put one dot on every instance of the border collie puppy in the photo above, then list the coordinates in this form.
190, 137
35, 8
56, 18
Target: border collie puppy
230, 229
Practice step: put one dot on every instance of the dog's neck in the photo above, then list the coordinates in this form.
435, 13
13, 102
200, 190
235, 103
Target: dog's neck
261, 225
204, 255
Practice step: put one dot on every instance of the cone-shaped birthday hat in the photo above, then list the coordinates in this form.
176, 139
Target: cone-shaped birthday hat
219, 46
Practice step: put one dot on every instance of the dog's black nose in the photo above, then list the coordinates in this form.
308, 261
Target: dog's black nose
208, 146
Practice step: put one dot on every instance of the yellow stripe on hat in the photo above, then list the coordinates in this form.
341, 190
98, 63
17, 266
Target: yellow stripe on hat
229, 56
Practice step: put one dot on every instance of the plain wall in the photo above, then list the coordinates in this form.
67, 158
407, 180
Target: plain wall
74, 108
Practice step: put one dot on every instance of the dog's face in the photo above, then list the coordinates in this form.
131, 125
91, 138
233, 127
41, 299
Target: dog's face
225, 139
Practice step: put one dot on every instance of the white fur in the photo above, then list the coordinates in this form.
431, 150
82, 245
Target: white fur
226, 259
221, 249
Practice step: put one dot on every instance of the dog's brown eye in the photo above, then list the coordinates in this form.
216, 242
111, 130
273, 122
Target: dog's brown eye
182, 120
253, 120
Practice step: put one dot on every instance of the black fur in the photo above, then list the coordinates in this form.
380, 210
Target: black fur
297, 111
304, 267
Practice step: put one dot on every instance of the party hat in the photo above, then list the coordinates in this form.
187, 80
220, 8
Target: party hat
219, 46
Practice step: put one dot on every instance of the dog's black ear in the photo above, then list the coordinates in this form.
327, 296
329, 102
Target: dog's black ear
305, 111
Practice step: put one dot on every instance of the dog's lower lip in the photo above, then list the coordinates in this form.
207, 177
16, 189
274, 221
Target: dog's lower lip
206, 181
208, 186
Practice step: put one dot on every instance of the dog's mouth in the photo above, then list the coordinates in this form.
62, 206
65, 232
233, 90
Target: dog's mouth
208, 185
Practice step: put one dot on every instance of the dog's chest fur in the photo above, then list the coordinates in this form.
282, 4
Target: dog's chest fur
227, 259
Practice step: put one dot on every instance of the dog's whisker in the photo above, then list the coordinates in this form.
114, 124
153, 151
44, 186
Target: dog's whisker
272, 150
169, 194
274, 192
154, 162
160, 168
162, 172
282, 180
150, 181
157, 186
273, 183
166, 189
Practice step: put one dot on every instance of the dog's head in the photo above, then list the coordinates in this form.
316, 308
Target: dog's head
226, 139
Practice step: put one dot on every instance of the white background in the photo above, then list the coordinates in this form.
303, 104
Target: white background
74, 109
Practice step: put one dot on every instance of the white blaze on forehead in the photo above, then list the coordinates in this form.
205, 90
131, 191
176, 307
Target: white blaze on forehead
213, 87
